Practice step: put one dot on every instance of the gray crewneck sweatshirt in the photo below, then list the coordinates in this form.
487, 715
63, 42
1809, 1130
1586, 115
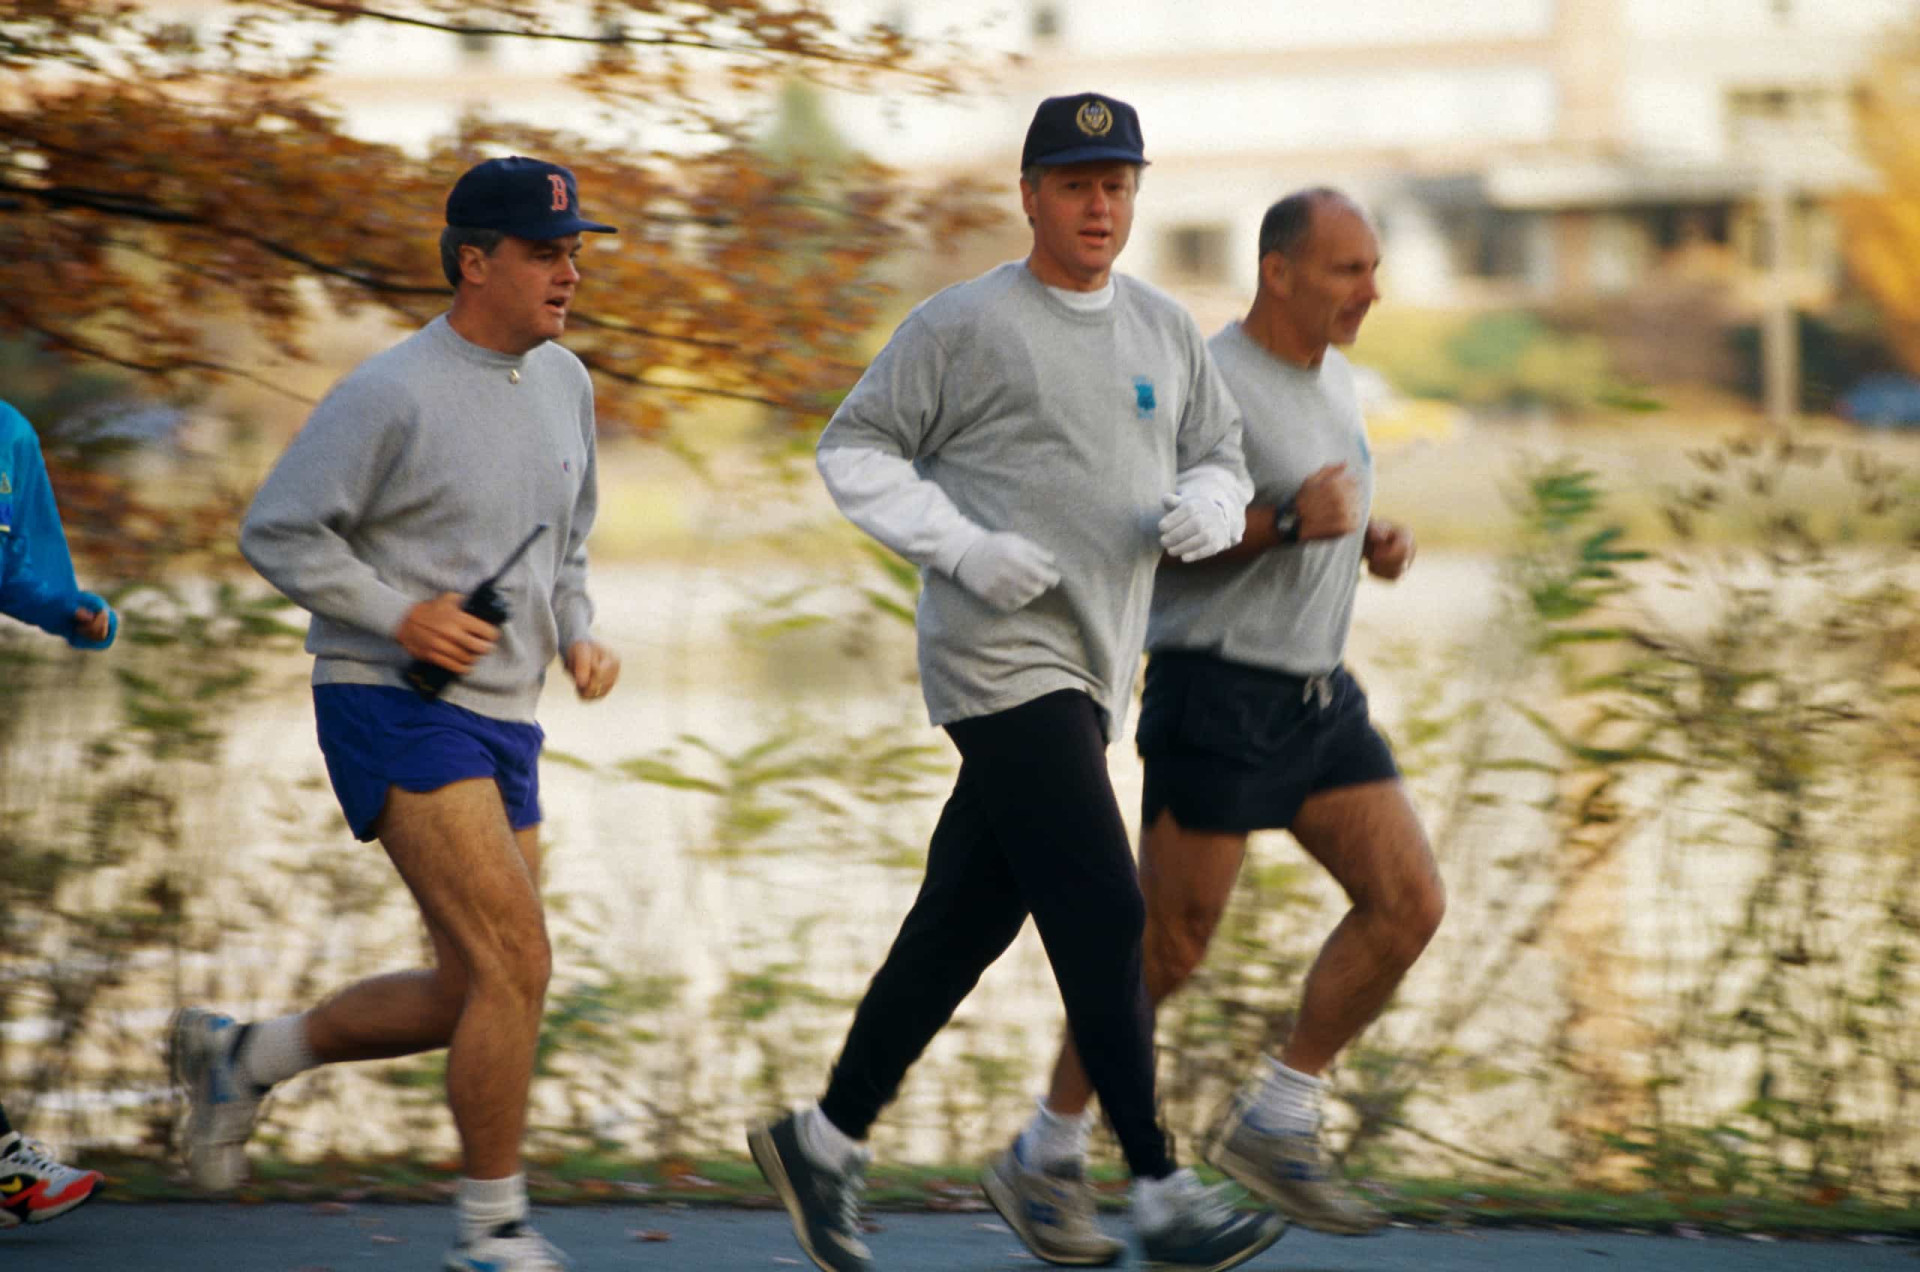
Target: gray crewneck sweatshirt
1289, 608
418, 474
1064, 425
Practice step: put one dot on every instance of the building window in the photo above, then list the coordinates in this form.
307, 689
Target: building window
1489, 243
1676, 227
1197, 253
1804, 113
1046, 20
476, 46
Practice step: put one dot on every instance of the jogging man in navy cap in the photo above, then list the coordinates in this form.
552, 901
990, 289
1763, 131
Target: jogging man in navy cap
416, 478
1034, 440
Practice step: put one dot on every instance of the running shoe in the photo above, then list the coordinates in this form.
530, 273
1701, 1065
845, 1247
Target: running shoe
1050, 1210
823, 1204
220, 1105
34, 1188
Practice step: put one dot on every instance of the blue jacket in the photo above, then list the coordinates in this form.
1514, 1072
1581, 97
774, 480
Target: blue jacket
36, 572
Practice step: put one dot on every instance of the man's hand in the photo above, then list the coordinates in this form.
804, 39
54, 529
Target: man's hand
1198, 526
1006, 570
92, 625
1328, 504
595, 668
440, 632
1388, 549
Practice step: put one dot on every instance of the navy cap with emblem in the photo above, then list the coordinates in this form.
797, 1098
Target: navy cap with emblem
527, 198
1082, 128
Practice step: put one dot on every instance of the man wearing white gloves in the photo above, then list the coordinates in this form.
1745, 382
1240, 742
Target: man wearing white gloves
1034, 440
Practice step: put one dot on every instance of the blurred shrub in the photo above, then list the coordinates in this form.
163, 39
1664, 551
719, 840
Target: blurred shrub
1505, 360
1676, 799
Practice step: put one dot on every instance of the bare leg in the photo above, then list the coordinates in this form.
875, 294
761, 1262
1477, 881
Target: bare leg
402, 1013
1369, 838
1187, 878
471, 875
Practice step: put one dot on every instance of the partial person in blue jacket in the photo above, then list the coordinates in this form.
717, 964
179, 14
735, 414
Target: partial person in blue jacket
37, 587
36, 572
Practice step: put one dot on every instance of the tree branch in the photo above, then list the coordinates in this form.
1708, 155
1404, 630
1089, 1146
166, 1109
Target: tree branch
699, 390
101, 201
344, 9
371, 282
86, 348
112, 204
626, 329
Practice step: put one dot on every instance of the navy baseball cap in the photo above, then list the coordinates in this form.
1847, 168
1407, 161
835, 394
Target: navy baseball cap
527, 198
1082, 128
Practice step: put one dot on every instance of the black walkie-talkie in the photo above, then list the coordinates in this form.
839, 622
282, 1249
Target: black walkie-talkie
430, 680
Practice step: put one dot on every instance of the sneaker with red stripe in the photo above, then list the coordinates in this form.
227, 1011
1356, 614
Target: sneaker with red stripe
35, 1188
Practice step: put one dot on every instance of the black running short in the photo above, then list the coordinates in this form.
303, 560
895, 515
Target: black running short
1234, 748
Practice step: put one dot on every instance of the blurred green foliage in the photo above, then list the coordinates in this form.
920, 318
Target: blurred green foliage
1677, 793
1508, 360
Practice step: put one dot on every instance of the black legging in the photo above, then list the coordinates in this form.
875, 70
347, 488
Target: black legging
1032, 825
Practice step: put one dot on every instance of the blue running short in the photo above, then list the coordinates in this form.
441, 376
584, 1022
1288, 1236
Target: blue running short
1233, 748
375, 737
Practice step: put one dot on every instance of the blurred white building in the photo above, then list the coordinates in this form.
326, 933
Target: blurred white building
1514, 150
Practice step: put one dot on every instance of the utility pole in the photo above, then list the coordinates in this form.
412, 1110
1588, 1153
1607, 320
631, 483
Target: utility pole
1779, 335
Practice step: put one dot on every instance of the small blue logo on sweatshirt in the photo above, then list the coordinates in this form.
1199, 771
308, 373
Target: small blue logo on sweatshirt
1142, 397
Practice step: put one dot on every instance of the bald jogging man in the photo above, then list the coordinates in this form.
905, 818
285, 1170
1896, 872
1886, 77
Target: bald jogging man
1250, 721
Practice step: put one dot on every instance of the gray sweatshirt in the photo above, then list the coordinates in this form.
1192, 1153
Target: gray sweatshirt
418, 474
1020, 413
1289, 608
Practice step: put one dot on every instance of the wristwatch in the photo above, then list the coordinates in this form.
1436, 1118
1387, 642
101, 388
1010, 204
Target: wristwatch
1286, 524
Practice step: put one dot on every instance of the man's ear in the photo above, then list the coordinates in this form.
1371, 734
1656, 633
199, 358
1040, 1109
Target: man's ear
473, 263
1276, 273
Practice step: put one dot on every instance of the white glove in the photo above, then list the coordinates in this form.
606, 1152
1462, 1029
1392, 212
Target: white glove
1197, 525
1006, 570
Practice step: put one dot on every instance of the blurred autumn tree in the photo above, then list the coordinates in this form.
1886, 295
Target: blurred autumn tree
155, 178
1881, 227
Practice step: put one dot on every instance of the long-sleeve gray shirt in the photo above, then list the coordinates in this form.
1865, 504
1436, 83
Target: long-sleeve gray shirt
418, 474
1289, 608
1020, 413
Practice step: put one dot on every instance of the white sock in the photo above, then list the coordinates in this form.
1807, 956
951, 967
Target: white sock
1156, 1202
484, 1204
826, 1143
275, 1050
1289, 1100
1053, 1139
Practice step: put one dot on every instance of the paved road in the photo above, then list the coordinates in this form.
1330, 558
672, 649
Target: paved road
334, 1238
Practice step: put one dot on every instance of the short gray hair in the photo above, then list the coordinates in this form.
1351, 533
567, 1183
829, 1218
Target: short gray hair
1287, 222
455, 237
